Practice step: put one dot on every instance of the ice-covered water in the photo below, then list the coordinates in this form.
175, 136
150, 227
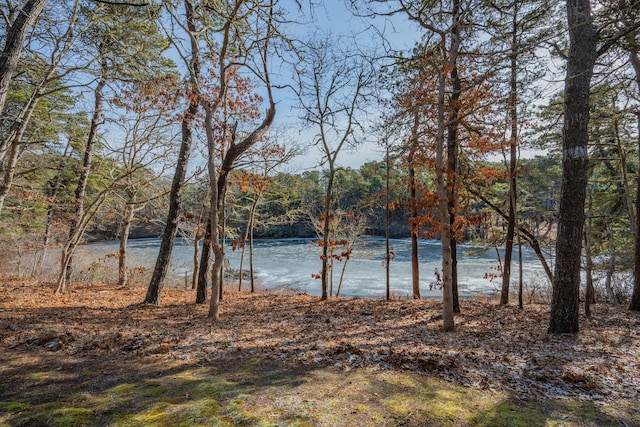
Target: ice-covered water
291, 263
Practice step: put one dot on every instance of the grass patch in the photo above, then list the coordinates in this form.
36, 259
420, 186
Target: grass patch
48, 375
13, 407
71, 417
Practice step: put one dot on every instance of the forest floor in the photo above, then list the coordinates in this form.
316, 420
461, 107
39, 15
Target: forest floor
97, 356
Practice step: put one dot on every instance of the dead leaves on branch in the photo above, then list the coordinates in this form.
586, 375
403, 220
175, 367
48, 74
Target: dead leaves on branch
500, 348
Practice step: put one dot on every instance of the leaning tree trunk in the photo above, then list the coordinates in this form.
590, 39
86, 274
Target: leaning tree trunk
522, 231
11, 146
156, 284
8, 171
52, 193
13, 44
78, 222
575, 136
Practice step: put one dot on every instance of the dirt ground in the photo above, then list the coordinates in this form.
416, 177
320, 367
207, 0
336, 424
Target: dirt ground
96, 328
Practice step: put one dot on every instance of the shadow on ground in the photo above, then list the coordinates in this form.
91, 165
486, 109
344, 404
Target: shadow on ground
77, 392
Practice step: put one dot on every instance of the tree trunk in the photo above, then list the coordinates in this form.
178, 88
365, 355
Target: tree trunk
520, 279
589, 291
9, 170
248, 235
196, 265
635, 297
413, 194
123, 275
156, 284
452, 145
223, 235
575, 136
14, 139
196, 249
251, 223
14, 41
53, 186
611, 265
445, 225
513, 146
386, 229
205, 259
216, 270
214, 216
244, 245
415, 261
325, 234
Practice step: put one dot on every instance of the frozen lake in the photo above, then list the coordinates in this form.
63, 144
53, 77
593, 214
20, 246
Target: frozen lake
291, 263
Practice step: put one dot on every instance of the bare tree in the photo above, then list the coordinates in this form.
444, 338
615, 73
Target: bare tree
332, 90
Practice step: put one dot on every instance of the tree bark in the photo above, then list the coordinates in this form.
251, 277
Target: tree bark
575, 136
